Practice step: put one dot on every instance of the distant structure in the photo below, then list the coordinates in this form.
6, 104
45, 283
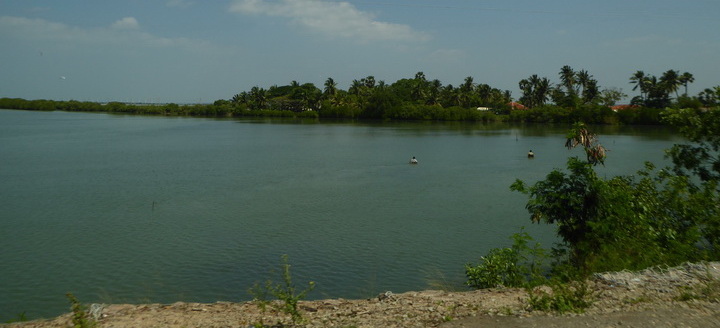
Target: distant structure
517, 106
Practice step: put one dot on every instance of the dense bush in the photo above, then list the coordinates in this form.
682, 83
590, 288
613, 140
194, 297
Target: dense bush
516, 266
625, 222
658, 217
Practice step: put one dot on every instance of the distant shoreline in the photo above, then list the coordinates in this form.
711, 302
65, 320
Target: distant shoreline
226, 109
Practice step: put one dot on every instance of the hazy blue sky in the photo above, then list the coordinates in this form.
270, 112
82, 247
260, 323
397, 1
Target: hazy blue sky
200, 51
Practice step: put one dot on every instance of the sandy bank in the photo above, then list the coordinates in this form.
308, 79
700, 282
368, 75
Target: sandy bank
650, 298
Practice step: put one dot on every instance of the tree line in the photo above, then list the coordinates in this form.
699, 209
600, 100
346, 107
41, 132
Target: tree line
576, 97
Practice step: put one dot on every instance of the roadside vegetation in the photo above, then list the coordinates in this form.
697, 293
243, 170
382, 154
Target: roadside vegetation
576, 97
658, 217
81, 318
286, 296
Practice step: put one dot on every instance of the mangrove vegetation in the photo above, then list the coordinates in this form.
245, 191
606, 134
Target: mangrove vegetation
577, 96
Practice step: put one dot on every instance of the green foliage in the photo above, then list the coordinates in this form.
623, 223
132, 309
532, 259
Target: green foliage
286, 292
80, 319
516, 266
700, 158
688, 102
577, 98
703, 130
572, 297
640, 115
624, 222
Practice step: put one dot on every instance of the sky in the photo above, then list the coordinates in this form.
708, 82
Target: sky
192, 51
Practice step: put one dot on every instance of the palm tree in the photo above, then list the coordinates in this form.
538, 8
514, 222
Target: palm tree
483, 92
542, 90
465, 91
670, 82
567, 77
709, 97
356, 87
435, 89
658, 95
369, 82
468, 84
450, 96
419, 92
258, 97
535, 91
240, 98
684, 79
583, 77
381, 85
639, 79
590, 91
588, 84
330, 88
527, 90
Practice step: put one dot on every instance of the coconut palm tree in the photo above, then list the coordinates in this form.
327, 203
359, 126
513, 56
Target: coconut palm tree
419, 87
590, 91
640, 81
535, 91
567, 78
369, 82
381, 85
709, 97
583, 77
483, 92
466, 91
330, 88
435, 89
542, 91
527, 90
669, 81
684, 79
450, 96
356, 87
658, 95
258, 96
240, 98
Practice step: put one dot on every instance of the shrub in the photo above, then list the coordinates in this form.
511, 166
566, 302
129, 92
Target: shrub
286, 292
516, 266
623, 222
81, 319
565, 297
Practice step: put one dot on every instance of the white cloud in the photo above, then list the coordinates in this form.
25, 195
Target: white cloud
335, 19
124, 32
127, 23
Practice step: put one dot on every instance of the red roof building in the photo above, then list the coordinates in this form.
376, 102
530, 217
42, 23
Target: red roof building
623, 107
515, 105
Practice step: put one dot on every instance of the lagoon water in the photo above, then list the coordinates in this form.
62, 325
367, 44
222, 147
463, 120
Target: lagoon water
136, 209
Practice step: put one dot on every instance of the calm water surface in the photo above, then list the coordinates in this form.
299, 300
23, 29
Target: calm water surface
154, 209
